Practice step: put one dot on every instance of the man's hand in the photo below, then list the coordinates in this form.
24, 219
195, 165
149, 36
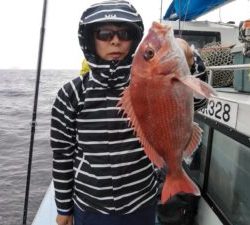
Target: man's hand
64, 220
187, 51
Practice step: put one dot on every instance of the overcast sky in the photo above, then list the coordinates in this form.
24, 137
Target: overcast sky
20, 23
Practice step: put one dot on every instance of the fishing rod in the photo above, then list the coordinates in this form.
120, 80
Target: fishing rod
33, 122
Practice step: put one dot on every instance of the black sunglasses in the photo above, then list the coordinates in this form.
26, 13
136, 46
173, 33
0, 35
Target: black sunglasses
108, 35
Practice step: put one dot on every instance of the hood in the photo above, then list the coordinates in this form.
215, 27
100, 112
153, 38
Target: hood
108, 12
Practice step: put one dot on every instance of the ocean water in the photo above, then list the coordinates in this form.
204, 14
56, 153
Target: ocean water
17, 88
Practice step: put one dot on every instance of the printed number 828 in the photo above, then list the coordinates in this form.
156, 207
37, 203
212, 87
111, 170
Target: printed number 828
218, 110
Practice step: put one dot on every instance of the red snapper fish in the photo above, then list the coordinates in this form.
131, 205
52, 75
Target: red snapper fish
159, 103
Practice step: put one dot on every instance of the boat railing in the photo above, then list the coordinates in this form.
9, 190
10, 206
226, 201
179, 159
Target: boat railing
210, 69
222, 161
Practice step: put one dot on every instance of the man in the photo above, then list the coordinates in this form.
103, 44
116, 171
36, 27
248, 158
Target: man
100, 171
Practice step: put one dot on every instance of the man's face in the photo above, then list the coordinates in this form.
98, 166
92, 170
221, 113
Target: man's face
112, 42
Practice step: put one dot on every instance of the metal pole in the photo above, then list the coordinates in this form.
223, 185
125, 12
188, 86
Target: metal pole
33, 122
225, 67
230, 67
161, 13
210, 77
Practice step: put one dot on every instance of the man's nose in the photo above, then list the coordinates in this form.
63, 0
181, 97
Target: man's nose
115, 40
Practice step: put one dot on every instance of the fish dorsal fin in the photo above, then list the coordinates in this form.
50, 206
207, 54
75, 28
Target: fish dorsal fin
125, 104
194, 142
199, 87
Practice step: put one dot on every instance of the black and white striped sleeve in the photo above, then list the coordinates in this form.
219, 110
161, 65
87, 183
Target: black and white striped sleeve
63, 144
198, 68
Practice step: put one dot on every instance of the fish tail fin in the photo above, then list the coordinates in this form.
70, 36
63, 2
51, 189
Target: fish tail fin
180, 184
194, 142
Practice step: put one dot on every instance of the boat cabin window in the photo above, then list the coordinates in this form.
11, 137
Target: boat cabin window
198, 38
197, 167
222, 170
229, 177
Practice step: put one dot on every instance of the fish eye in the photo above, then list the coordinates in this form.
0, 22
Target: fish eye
149, 54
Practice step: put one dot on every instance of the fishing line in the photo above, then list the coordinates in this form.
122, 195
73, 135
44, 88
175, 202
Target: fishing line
33, 122
185, 16
180, 18
188, 2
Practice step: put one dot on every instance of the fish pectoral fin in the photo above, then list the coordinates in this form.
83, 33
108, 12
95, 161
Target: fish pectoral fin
194, 142
200, 88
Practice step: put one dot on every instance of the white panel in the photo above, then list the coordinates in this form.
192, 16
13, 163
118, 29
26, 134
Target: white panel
205, 215
46, 214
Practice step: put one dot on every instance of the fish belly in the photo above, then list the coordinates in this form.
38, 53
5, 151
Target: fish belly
164, 111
